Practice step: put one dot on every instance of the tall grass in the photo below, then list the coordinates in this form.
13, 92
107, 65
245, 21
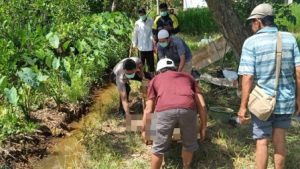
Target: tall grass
197, 21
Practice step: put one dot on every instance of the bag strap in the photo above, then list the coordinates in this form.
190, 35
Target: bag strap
278, 60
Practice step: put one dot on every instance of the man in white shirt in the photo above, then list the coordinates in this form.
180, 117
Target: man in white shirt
142, 39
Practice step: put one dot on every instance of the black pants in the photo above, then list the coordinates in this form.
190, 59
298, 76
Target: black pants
147, 56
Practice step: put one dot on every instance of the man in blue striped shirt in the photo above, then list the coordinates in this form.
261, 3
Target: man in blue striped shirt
257, 67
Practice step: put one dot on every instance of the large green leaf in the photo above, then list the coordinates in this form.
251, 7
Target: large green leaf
11, 95
28, 76
56, 63
67, 65
42, 77
53, 40
66, 77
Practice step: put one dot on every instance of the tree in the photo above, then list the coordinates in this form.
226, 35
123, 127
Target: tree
231, 16
234, 31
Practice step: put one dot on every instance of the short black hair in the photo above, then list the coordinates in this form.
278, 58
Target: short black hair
142, 11
163, 6
129, 64
268, 20
167, 69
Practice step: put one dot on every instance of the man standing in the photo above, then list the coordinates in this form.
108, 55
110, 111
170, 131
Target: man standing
176, 49
177, 99
142, 39
257, 66
165, 21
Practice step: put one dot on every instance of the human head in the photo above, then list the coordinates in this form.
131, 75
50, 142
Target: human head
165, 64
163, 8
129, 67
262, 15
163, 38
172, 11
142, 13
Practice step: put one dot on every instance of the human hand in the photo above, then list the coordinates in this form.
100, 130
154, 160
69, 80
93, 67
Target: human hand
144, 135
297, 113
242, 116
202, 131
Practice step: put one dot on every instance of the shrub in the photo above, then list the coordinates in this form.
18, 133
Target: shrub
197, 21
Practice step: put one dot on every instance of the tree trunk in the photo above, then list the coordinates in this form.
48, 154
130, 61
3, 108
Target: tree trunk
234, 31
113, 6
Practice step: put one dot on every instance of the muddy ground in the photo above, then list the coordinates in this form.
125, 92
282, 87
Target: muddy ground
21, 151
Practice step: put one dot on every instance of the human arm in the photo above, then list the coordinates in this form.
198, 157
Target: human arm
125, 102
202, 111
175, 24
181, 63
155, 29
147, 114
247, 82
135, 36
298, 90
140, 70
181, 52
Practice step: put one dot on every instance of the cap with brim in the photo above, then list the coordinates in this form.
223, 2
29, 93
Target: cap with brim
261, 11
165, 63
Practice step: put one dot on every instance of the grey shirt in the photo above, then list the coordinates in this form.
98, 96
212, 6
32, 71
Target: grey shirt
174, 50
118, 70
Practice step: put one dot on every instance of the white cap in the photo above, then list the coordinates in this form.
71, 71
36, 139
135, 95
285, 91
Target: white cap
163, 63
162, 34
261, 10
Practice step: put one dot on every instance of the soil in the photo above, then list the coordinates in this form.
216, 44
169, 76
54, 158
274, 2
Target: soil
21, 151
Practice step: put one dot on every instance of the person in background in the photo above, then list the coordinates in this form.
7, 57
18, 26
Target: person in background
165, 21
142, 39
172, 11
177, 99
257, 67
176, 49
127, 69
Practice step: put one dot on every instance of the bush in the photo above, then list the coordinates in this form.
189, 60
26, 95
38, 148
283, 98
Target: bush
58, 53
292, 25
197, 21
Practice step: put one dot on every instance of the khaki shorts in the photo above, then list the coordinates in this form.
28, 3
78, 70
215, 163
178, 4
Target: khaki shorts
166, 122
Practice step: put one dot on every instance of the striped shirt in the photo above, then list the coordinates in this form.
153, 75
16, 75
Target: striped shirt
258, 59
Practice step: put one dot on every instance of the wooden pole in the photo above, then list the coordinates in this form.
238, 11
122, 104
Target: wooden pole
157, 8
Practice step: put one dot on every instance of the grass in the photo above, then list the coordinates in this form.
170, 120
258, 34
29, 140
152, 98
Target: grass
197, 21
13, 122
226, 147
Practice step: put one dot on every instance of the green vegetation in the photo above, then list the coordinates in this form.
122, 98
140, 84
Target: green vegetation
197, 21
109, 145
291, 26
57, 54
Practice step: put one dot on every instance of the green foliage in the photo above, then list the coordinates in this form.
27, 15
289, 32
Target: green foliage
12, 122
285, 15
128, 7
293, 24
197, 21
54, 49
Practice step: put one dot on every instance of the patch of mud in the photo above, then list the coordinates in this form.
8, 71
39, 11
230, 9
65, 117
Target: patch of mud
21, 151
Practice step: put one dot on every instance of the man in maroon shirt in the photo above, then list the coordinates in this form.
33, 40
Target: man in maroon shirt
177, 99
